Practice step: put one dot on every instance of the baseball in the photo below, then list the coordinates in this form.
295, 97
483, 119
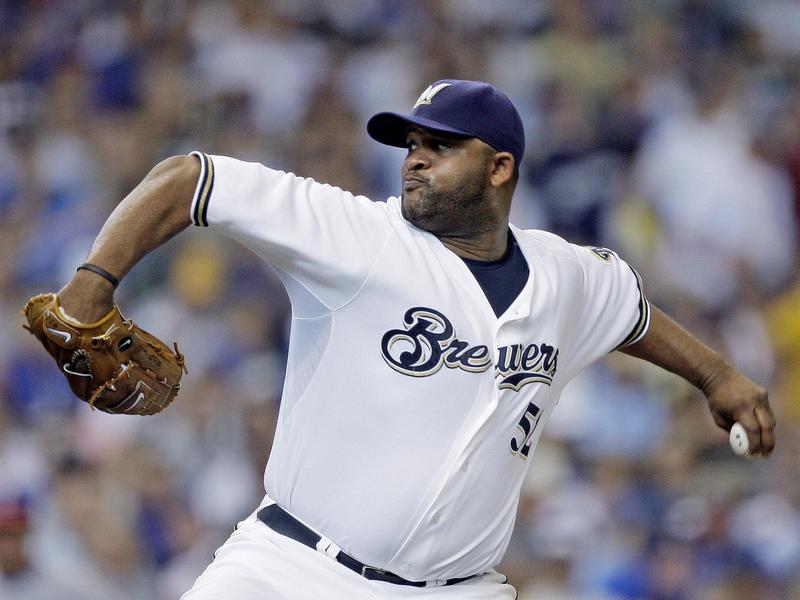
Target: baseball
738, 439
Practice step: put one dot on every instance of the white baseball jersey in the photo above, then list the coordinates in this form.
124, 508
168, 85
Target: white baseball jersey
410, 410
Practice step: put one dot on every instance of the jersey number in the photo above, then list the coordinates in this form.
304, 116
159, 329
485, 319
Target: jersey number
521, 442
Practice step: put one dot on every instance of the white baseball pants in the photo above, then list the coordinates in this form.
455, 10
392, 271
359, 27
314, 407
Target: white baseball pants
257, 563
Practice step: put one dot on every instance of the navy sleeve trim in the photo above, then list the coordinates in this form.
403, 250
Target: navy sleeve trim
643, 323
202, 193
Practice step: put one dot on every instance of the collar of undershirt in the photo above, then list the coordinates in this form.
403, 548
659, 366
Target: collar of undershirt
511, 246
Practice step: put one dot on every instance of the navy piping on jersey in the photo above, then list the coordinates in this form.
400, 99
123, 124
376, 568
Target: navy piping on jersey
501, 280
643, 322
205, 185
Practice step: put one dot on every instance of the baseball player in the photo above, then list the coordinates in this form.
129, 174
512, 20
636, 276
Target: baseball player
430, 341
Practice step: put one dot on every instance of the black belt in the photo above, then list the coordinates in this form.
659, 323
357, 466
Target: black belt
274, 517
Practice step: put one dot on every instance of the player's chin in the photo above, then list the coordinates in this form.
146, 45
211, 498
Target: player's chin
413, 207
411, 203
422, 220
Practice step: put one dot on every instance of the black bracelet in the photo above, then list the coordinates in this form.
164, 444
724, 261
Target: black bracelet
100, 271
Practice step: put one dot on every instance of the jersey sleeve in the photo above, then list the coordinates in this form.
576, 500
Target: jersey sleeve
323, 238
611, 308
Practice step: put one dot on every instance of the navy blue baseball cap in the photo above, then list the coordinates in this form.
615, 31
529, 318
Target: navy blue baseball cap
457, 107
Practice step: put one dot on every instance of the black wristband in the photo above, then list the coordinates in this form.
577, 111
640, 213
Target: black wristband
100, 271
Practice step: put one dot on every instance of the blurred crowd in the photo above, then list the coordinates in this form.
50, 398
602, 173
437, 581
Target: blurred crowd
668, 130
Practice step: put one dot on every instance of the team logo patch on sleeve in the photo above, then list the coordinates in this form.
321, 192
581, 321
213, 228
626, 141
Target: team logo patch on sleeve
428, 341
602, 254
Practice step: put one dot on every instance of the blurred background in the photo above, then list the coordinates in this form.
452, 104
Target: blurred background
668, 130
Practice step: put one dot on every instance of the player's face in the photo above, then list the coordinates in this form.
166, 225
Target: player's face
445, 183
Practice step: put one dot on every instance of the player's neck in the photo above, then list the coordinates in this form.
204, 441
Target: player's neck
486, 246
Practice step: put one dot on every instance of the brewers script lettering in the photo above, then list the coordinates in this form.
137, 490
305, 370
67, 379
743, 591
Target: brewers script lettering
429, 341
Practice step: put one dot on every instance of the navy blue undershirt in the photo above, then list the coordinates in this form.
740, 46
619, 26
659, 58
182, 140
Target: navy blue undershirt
501, 280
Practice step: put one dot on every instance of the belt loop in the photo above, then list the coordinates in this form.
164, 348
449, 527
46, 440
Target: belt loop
328, 548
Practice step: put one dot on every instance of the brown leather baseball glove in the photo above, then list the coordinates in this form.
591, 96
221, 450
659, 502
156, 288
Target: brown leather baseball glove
111, 364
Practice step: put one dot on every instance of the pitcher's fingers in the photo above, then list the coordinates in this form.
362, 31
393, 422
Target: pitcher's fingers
751, 425
766, 421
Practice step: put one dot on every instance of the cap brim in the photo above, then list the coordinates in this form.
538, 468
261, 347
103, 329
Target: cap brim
392, 128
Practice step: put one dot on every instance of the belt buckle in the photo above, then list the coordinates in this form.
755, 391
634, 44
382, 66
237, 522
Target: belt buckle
376, 571
388, 577
365, 568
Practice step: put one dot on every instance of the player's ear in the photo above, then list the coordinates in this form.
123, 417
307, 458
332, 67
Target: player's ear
502, 168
